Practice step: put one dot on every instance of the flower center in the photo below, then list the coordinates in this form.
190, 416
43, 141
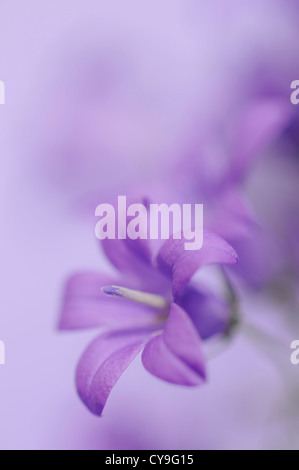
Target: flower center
151, 300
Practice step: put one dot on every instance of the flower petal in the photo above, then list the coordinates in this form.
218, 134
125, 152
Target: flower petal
135, 257
125, 256
181, 265
86, 306
121, 251
102, 364
260, 123
176, 354
208, 312
234, 218
124, 253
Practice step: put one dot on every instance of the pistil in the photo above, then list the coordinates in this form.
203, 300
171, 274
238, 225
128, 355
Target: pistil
151, 300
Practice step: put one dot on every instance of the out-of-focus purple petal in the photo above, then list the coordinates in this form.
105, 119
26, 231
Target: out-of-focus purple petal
102, 364
181, 265
233, 218
176, 354
260, 123
86, 306
261, 257
120, 251
209, 313
131, 263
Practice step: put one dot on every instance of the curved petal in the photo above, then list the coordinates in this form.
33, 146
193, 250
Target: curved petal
121, 251
176, 355
101, 366
181, 265
125, 256
135, 257
86, 306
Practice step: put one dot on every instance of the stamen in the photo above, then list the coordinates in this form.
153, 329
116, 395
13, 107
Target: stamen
152, 300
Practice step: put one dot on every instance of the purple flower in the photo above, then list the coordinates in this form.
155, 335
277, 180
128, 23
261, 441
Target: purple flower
227, 165
157, 309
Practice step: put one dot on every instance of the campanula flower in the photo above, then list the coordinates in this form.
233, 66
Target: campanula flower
152, 306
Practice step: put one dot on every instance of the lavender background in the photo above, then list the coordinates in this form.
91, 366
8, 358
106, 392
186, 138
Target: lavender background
103, 97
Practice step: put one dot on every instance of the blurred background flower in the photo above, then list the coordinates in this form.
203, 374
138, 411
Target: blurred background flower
191, 100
